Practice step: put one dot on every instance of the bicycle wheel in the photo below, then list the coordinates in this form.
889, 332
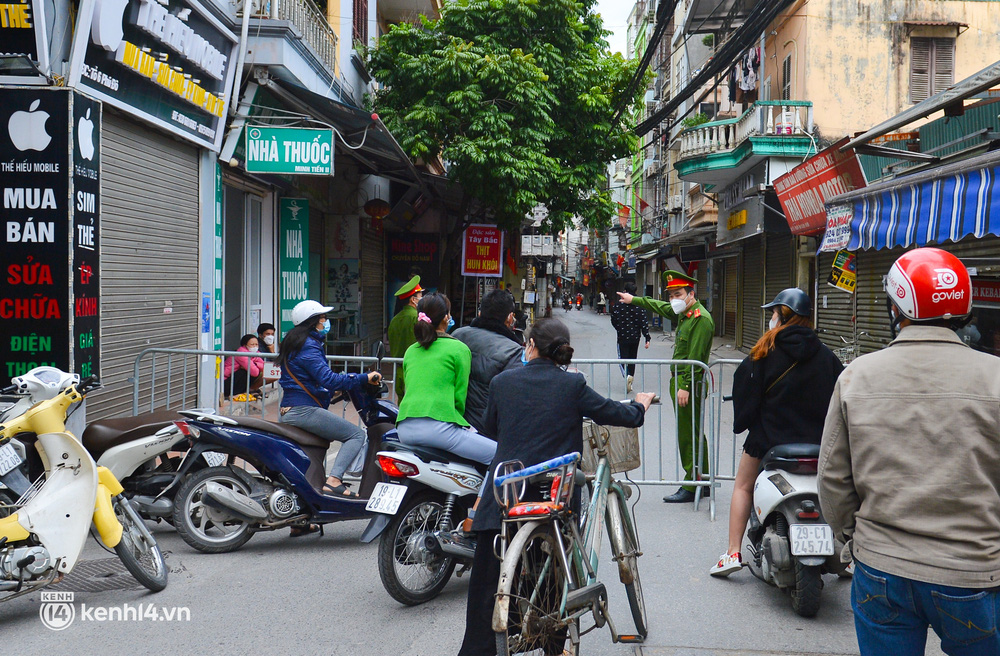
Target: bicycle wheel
533, 594
625, 546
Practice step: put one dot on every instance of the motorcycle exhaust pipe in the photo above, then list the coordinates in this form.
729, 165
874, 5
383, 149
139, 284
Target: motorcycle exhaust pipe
446, 543
151, 507
223, 498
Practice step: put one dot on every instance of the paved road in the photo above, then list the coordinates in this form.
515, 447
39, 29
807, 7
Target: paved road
322, 595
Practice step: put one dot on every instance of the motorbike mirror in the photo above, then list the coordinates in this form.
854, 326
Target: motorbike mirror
378, 350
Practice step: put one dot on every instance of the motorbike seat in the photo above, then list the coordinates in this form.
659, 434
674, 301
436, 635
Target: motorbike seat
297, 435
787, 456
430, 454
104, 434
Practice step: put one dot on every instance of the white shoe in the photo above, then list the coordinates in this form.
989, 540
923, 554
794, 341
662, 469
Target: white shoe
728, 563
628, 385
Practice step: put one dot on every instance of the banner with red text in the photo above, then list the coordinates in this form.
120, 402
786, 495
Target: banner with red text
804, 190
482, 250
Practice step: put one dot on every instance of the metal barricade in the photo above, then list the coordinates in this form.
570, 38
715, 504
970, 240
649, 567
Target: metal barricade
727, 444
158, 370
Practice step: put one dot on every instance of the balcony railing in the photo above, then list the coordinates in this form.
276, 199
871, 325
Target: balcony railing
764, 118
306, 16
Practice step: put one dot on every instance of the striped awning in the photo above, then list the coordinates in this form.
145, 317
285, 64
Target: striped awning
944, 204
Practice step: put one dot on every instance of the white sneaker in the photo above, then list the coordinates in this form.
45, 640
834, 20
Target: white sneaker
728, 563
628, 385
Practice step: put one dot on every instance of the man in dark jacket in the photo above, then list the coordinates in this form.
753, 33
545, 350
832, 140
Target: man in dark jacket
495, 347
630, 322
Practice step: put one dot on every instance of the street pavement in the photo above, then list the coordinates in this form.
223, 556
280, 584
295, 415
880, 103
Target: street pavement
322, 595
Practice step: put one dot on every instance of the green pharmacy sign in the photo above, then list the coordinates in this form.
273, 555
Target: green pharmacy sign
289, 150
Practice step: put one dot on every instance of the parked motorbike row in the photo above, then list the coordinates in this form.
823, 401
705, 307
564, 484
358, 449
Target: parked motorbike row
219, 480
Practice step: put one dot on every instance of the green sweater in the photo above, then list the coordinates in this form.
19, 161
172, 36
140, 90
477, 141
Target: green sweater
437, 381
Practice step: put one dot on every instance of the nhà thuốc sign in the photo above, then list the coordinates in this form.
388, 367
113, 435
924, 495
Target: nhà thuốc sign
50, 164
289, 150
293, 263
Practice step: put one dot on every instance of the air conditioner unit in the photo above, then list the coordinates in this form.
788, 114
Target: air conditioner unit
676, 201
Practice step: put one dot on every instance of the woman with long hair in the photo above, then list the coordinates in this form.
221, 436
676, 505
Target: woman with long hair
309, 385
436, 369
781, 393
536, 412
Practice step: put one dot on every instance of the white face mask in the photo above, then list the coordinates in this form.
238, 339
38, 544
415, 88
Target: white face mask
269, 339
252, 349
678, 305
772, 323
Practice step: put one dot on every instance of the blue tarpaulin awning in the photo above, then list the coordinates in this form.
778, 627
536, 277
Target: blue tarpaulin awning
947, 203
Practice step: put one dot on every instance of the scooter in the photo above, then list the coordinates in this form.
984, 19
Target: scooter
426, 495
41, 540
218, 509
788, 544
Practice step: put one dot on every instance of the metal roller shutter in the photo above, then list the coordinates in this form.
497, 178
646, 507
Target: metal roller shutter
149, 260
372, 288
871, 313
834, 307
778, 270
732, 294
752, 291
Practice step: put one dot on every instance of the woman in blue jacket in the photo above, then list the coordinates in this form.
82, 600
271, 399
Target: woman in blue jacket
309, 384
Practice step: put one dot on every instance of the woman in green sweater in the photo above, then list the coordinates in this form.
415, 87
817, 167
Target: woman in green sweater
436, 369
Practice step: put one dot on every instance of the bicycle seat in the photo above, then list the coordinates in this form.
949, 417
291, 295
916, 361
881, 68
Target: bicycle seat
430, 454
104, 434
535, 509
791, 458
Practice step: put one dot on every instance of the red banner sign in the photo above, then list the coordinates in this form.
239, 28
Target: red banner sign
804, 190
482, 246
986, 291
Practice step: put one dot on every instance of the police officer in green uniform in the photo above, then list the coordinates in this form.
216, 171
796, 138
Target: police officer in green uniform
695, 330
401, 334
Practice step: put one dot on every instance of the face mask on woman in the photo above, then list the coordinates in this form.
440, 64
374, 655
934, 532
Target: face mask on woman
325, 329
772, 324
269, 340
451, 322
678, 305
253, 349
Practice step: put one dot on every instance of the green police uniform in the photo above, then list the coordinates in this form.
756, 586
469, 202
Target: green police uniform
401, 334
695, 330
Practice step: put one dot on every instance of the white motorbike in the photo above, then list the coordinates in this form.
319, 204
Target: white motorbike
788, 544
42, 537
427, 495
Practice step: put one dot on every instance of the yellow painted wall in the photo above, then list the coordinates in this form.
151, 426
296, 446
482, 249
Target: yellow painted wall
852, 57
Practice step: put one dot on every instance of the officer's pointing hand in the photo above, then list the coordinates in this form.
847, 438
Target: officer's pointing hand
625, 297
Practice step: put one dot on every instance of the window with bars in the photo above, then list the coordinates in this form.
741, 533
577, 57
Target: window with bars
932, 66
786, 78
361, 21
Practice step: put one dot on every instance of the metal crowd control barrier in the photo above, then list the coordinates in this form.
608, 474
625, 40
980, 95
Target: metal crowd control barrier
661, 464
727, 444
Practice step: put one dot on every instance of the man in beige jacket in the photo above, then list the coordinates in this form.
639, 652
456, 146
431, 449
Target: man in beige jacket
910, 472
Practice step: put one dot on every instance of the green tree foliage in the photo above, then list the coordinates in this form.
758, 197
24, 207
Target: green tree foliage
517, 96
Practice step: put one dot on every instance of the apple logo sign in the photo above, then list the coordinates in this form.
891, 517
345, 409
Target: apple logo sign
106, 26
85, 136
27, 129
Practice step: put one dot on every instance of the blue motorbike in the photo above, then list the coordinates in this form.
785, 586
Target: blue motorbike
269, 477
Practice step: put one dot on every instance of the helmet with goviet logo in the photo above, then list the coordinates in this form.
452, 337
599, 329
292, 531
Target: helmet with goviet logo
927, 284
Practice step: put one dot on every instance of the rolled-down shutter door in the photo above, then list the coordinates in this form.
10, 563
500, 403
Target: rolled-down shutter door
372, 291
732, 295
149, 262
751, 289
834, 307
778, 272
873, 320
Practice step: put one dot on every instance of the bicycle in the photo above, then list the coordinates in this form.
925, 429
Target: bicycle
849, 351
549, 555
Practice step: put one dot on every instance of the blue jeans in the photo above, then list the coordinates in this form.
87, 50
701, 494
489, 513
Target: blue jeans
892, 613
463, 442
323, 423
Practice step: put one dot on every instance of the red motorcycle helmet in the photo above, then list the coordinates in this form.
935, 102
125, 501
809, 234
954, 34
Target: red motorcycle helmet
928, 283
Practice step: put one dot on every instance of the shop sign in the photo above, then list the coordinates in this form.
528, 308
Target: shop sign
169, 62
217, 267
736, 220
895, 136
50, 160
23, 33
306, 151
482, 248
844, 274
838, 228
986, 291
803, 191
293, 265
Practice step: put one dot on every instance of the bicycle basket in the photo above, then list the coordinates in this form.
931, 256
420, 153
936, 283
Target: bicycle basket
623, 447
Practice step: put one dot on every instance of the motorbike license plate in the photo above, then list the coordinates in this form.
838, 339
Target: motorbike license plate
9, 458
214, 459
386, 498
812, 540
